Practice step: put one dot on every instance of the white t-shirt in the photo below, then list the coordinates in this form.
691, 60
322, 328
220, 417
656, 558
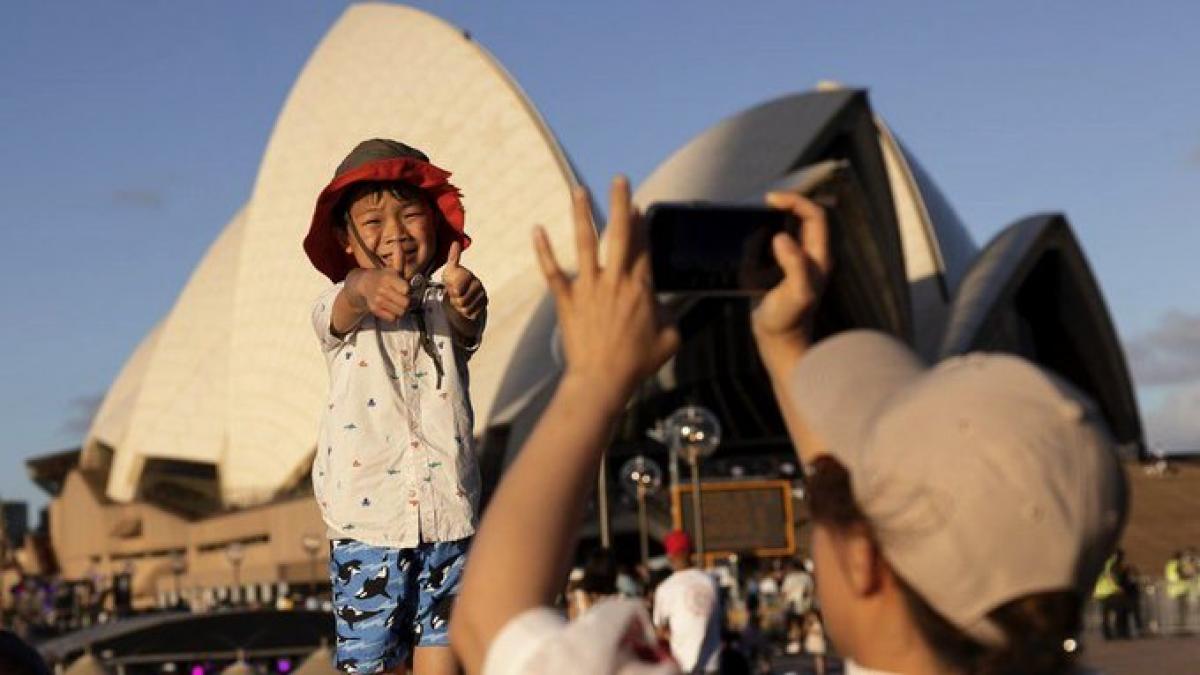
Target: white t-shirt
798, 591
614, 637
768, 586
687, 604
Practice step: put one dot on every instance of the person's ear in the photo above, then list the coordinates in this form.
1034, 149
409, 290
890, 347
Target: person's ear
343, 239
864, 565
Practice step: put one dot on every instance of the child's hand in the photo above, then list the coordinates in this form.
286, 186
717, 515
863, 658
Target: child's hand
464, 291
382, 292
783, 320
612, 331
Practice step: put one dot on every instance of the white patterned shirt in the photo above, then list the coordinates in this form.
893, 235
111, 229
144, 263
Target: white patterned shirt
395, 464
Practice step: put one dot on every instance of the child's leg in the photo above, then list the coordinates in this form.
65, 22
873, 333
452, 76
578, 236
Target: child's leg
371, 616
435, 661
440, 566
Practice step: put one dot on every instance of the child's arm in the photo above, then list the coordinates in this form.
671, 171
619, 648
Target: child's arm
382, 292
613, 338
466, 299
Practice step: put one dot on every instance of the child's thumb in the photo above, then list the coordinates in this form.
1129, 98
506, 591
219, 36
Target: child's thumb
454, 255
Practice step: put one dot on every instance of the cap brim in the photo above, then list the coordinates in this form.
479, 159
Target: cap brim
844, 381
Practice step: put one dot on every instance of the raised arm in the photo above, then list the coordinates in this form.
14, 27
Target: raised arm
466, 299
783, 320
613, 337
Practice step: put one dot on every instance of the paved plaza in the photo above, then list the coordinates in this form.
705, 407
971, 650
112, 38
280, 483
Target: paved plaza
1162, 656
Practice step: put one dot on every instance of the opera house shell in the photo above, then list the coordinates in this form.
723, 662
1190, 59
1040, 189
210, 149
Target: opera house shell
206, 436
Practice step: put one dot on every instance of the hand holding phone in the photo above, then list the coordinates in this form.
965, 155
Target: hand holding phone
715, 249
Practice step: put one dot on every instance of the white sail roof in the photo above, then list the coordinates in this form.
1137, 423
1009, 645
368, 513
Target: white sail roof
112, 417
236, 378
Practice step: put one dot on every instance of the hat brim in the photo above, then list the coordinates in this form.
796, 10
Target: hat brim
321, 244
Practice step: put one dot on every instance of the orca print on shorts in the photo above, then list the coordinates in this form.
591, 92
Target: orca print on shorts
388, 601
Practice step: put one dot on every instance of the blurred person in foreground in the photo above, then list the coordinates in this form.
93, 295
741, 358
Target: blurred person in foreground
687, 609
962, 512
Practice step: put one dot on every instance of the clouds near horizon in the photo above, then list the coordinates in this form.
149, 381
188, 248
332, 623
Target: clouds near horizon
83, 411
1168, 357
151, 199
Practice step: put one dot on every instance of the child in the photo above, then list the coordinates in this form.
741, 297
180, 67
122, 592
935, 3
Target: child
395, 474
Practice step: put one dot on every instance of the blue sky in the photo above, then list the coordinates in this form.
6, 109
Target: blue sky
131, 131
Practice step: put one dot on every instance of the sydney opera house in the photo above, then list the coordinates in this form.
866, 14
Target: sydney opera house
203, 444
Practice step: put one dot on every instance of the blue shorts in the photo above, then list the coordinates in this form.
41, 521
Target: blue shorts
388, 600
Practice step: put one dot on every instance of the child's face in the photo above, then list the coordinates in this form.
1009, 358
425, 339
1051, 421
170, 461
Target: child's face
400, 231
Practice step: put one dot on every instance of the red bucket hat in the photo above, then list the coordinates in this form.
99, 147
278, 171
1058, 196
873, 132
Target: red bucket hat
385, 161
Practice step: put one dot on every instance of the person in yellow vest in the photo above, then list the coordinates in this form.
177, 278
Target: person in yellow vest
1190, 571
1114, 614
1177, 587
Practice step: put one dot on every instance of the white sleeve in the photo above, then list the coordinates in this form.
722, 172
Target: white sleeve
521, 639
322, 314
661, 601
612, 637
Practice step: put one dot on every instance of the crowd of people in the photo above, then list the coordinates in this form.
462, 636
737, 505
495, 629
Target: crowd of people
737, 616
1132, 605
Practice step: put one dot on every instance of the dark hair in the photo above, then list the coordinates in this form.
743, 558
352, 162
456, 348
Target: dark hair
1036, 627
599, 573
401, 191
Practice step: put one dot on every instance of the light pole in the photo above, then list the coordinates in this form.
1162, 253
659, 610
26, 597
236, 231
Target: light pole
178, 566
602, 502
642, 476
696, 432
235, 553
311, 543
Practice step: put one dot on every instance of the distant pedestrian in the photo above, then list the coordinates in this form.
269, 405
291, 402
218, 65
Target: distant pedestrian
686, 609
797, 590
814, 640
1129, 580
1178, 579
1111, 596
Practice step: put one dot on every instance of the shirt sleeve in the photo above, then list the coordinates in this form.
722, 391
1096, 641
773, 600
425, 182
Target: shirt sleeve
472, 346
612, 637
466, 348
322, 314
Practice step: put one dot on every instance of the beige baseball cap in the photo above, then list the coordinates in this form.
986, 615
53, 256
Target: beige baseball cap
985, 478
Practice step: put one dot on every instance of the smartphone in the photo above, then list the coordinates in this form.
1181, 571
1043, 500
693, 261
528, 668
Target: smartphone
715, 249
